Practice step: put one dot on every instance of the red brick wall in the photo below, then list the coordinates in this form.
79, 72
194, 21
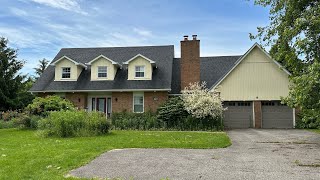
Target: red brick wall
122, 101
190, 62
257, 114
152, 100
78, 99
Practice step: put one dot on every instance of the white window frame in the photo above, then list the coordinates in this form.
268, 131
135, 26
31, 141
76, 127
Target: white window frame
102, 72
133, 103
62, 72
135, 71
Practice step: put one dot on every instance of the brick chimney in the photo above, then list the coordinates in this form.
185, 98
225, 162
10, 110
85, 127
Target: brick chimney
190, 61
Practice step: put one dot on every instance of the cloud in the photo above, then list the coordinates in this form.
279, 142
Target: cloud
68, 5
142, 32
18, 12
25, 38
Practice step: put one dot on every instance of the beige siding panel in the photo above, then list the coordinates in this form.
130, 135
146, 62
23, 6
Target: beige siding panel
257, 77
79, 70
112, 70
66, 63
139, 61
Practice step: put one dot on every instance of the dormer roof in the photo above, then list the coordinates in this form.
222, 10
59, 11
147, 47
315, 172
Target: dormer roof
153, 63
67, 58
104, 57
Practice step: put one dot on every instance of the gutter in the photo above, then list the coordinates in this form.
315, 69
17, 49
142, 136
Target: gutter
108, 90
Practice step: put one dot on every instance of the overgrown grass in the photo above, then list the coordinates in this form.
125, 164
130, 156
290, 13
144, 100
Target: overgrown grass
23, 155
315, 130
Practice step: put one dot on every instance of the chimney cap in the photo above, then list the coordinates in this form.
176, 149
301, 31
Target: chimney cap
185, 37
194, 37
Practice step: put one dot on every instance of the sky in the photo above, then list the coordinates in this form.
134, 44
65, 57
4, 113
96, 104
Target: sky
40, 28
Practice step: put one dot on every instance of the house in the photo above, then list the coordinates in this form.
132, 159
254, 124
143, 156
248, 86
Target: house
138, 79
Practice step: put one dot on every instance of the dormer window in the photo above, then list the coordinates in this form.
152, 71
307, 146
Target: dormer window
66, 71
139, 71
103, 68
102, 71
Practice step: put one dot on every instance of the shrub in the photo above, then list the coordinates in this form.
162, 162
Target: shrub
6, 124
172, 112
25, 121
201, 103
14, 119
9, 115
175, 117
308, 119
42, 106
73, 124
135, 121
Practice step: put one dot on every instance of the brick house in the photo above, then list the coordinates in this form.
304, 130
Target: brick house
138, 79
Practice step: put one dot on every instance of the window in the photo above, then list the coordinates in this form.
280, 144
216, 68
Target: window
230, 103
66, 72
102, 71
244, 103
138, 103
139, 71
93, 104
268, 103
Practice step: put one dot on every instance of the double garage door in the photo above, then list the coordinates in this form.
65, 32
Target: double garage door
274, 115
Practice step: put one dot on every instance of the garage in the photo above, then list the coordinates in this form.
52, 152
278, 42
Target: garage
238, 115
276, 115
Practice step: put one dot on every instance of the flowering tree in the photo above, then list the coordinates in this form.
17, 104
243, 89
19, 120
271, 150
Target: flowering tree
200, 102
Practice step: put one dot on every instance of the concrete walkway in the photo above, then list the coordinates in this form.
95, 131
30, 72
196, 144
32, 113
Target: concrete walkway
255, 154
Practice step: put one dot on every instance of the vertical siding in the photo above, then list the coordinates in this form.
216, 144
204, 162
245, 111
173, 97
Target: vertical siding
257, 77
139, 61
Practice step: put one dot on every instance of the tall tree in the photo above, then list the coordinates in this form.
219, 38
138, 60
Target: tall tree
293, 32
12, 83
41, 66
294, 37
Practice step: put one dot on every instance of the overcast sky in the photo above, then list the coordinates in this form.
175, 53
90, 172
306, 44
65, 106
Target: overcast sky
40, 28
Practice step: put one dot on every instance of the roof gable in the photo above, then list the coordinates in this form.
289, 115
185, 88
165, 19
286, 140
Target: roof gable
104, 57
256, 45
140, 55
69, 59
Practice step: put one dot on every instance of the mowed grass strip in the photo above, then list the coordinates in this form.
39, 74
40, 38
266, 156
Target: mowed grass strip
315, 130
24, 155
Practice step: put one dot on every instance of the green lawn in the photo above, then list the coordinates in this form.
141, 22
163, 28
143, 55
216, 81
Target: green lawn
23, 155
315, 130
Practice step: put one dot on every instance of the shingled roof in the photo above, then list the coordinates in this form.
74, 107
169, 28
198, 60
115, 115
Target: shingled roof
161, 77
212, 69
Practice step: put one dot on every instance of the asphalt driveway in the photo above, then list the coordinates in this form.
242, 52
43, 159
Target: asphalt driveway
255, 154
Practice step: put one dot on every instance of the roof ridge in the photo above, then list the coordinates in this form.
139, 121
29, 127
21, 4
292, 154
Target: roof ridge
118, 47
214, 56
221, 56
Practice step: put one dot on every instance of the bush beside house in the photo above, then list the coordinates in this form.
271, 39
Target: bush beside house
54, 116
73, 124
196, 110
42, 106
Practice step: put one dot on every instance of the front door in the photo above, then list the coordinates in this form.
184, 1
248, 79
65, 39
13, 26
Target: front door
101, 104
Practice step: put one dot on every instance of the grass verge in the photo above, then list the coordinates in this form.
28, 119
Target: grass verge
23, 155
315, 130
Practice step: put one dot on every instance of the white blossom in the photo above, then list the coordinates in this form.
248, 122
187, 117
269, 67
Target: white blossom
200, 102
